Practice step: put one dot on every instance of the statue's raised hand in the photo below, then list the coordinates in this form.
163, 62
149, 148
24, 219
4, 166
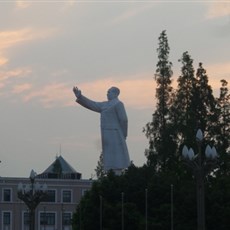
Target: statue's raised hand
76, 91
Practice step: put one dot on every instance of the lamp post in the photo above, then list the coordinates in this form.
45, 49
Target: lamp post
122, 211
172, 207
101, 212
146, 209
201, 164
32, 194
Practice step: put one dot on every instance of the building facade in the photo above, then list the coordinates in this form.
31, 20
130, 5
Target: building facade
64, 191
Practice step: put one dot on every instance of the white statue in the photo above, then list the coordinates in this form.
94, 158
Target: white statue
114, 126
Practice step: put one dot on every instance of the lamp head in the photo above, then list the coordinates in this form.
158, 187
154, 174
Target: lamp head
199, 135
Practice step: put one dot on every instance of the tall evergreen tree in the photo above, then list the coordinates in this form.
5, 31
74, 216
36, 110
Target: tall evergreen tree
223, 128
157, 130
205, 103
194, 106
182, 111
224, 107
163, 79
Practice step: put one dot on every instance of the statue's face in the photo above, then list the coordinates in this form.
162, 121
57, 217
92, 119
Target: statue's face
111, 94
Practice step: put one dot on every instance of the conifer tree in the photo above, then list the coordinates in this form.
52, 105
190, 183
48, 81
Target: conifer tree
157, 130
194, 106
223, 128
224, 106
182, 111
205, 103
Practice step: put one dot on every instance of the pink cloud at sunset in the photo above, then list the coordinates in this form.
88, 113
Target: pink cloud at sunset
21, 88
7, 76
217, 72
1, 86
218, 9
51, 95
3, 61
136, 93
22, 4
131, 13
10, 38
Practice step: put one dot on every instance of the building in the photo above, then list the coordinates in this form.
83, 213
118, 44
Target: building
65, 189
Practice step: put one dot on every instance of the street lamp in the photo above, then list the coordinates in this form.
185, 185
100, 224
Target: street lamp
201, 164
172, 207
32, 194
122, 211
101, 212
146, 209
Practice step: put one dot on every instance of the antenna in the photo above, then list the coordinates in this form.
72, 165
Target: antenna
60, 150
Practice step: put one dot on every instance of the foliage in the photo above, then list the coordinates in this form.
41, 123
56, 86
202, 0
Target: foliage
106, 195
156, 130
100, 169
223, 129
105, 200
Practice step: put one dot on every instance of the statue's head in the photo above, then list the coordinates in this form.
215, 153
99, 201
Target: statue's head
112, 93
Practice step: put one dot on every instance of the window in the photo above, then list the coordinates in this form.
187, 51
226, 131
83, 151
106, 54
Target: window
66, 219
66, 196
47, 218
43, 219
26, 218
6, 218
51, 196
7, 195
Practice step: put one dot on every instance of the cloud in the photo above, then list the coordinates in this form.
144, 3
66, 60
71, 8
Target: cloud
51, 95
217, 72
68, 4
1, 86
137, 93
3, 61
6, 76
130, 13
11, 38
21, 4
9, 79
21, 88
218, 9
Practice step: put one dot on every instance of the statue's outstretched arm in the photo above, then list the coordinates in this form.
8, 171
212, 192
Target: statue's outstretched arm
86, 102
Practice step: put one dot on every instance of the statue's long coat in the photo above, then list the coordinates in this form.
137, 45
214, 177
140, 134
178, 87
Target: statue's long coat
114, 125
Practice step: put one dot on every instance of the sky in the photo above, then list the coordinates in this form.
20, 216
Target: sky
47, 47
